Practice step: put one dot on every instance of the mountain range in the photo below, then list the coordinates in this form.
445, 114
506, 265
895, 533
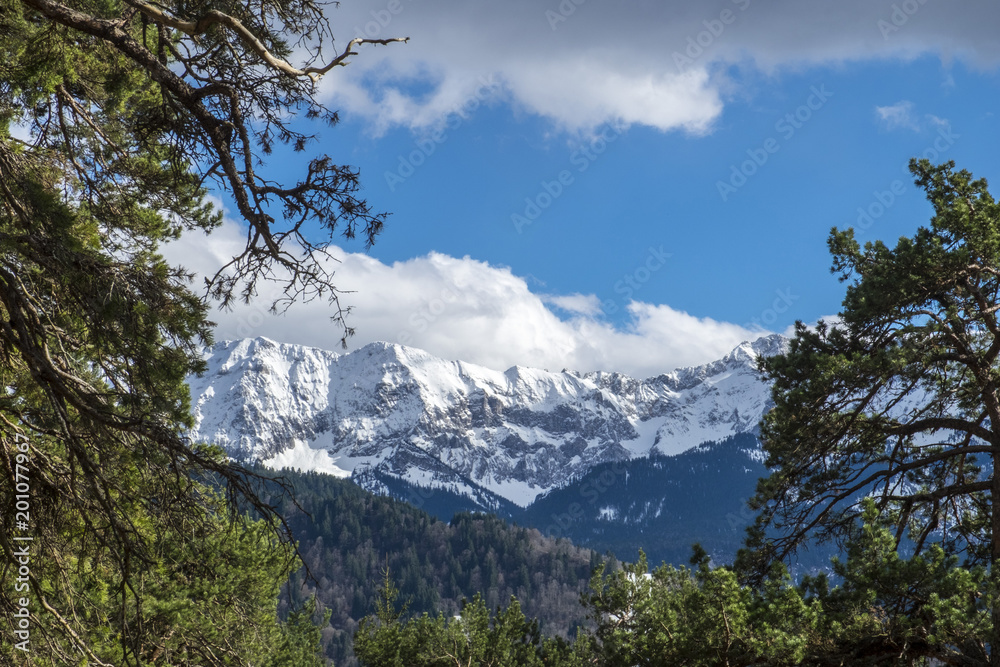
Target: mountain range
450, 435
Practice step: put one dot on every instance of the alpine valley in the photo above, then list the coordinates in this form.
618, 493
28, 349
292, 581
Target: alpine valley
613, 462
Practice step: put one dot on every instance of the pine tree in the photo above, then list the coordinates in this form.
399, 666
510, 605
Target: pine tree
115, 119
898, 401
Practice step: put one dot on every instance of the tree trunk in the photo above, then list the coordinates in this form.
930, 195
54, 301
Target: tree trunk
995, 556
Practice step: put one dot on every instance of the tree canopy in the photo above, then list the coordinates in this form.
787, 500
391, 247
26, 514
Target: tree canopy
883, 610
116, 120
897, 401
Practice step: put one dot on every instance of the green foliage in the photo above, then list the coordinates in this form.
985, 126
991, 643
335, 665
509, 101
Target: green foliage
887, 609
115, 118
897, 403
300, 643
350, 538
474, 637
895, 400
884, 610
698, 617
205, 593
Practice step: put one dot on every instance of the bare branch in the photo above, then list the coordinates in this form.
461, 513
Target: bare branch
215, 17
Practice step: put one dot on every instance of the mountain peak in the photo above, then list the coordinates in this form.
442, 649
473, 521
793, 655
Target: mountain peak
258, 345
396, 353
770, 345
381, 349
516, 433
747, 352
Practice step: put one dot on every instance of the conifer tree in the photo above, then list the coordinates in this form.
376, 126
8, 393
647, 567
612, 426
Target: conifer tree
116, 117
899, 400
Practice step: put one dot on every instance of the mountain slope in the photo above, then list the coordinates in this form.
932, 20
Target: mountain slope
660, 504
348, 538
387, 412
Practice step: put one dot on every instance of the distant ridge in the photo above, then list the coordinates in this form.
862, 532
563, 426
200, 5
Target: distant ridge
386, 413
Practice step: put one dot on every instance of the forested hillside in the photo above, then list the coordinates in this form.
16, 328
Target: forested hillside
661, 504
353, 536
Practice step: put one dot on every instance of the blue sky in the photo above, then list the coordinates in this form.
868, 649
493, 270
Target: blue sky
582, 193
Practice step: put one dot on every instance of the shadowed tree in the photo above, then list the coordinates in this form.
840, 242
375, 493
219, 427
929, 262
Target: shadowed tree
115, 119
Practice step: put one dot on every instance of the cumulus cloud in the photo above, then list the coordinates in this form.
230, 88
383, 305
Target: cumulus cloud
578, 304
659, 64
462, 308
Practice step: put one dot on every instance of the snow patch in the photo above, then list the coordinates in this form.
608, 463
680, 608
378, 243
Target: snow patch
303, 457
608, 513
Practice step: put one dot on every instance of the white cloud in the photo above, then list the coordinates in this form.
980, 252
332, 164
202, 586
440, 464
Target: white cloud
462, 308
903, 116
662, 100
938, 122
829, 320
660, 64
898, 116
577, 304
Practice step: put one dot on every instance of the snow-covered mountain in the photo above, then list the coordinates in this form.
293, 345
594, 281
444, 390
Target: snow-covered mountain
387, 411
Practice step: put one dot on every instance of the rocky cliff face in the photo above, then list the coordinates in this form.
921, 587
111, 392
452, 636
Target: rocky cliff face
403, 413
